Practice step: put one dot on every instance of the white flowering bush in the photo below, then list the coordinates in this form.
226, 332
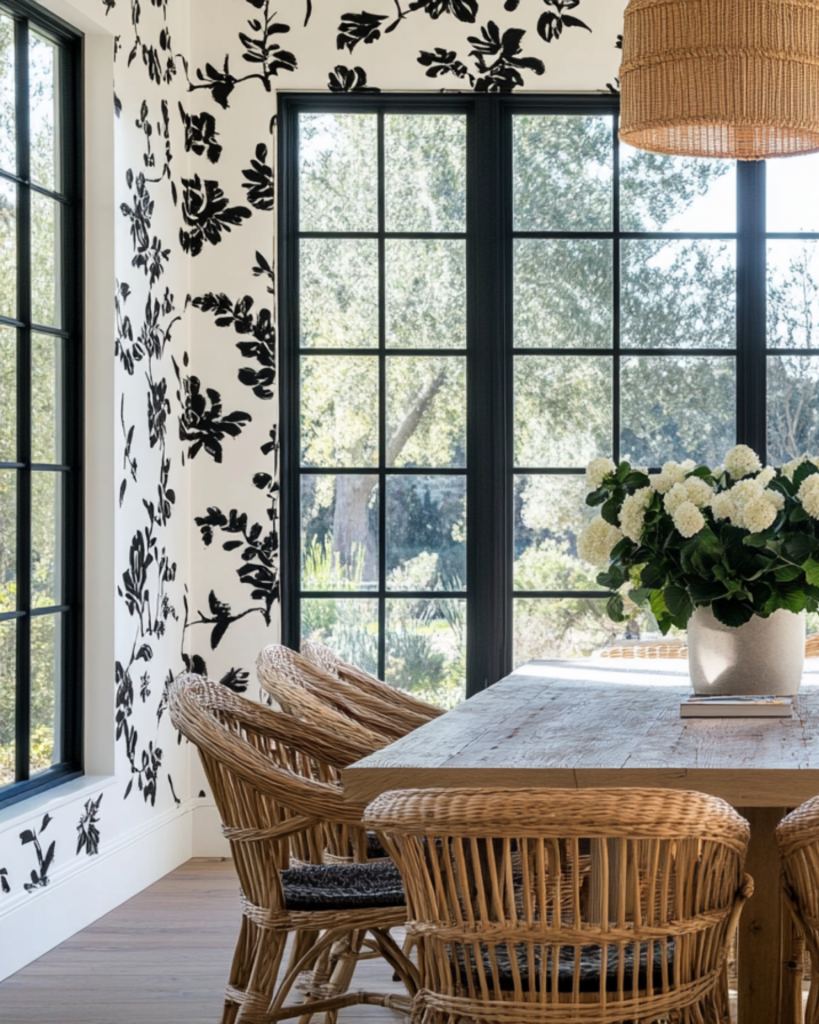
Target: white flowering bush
741, 539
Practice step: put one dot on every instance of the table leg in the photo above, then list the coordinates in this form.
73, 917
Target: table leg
759, 953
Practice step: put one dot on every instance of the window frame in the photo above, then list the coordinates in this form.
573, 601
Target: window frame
490, 355
70, 259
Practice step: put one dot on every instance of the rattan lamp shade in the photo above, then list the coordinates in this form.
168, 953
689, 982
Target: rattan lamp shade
721, 78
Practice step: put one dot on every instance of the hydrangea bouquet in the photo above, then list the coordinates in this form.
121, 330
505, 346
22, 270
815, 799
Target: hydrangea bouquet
739, 539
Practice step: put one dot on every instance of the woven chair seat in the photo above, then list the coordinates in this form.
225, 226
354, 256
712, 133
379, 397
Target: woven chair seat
590, 959
343, 886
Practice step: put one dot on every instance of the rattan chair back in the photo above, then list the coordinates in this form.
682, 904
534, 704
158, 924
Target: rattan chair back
413, 711
273, 779
797, 836
304, 687
568, 906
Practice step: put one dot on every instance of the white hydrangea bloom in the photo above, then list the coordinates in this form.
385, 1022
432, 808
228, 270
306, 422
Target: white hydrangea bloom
698, 491
688, 466
688, 519
765, 477
632, 514
676, 471
757, 515
595, 543
675, 497
741, 461
596, 470
808, 494
722, 505
661, 482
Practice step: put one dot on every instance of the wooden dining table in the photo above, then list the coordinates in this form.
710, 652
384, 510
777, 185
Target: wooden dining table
596, 722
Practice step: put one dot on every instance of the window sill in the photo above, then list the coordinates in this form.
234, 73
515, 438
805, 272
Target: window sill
52, 800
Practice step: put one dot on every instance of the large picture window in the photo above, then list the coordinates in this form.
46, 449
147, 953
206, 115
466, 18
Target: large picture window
479, 295
40, 401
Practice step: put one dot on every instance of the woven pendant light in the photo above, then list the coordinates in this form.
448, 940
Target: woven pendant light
721, 78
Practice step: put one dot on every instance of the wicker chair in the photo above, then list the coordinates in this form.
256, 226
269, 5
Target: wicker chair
410, 710
266, 771
299, 685
513, 929
798, 838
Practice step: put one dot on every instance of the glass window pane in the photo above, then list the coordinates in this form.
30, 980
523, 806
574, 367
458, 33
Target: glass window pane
426, 293
46, 691
8, 540
8, 117
8, 249
678, 294
426, 533
791, 196
681, 407
571, 627
563, 410
8, 689
425, 172
793, 407
339, 532
793, 294
46, 394
349, 627
339, 411
338, 172
339, 293
46, 297
8, 394
563, 293
562, 172
673, 193
426, 411
46, 539
550, 511
43, 97
426, 649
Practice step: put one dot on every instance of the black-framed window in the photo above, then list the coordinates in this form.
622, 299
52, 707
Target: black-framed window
615, 305
41, 401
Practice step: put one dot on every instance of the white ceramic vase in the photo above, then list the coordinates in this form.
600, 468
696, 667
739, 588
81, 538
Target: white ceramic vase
764, 656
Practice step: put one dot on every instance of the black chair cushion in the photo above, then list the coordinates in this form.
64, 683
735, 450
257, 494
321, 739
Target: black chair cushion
590, 961
343, 886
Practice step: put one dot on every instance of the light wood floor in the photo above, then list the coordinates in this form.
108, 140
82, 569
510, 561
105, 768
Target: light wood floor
161, 958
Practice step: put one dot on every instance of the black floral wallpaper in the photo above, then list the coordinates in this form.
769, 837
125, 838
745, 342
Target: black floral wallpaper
194, 328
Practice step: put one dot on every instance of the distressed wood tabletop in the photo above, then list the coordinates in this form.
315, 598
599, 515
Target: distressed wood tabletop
587, 723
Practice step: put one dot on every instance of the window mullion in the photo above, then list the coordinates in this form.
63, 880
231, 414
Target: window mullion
751, 306
489, 655
382, 409
23, 675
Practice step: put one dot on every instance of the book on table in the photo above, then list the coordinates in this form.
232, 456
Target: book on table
698, 706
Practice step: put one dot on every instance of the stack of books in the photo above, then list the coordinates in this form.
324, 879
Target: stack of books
736, 707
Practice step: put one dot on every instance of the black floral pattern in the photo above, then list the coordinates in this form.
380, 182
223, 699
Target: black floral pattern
39, 876
200, 134
359, 28
259, 182
343, 79
88, 835
4, 881
551, 23
261, 343
206, 211
498, 64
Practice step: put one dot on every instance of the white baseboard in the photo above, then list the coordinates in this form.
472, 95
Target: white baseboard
33, 923
208, 840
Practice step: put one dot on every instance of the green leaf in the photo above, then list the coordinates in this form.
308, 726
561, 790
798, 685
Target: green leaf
640, 595
652, 576
658, 605
811, 568
757, 540
635, 479
613, 579
786, 573
623, 471
611, 512
800, 547
597, 497
702, 591
703, 472
732, 613
614, 608
678, 602
802, 473
798, 514
622, 547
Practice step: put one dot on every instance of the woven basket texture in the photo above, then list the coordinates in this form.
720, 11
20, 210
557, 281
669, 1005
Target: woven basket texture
516, 924
721, 78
